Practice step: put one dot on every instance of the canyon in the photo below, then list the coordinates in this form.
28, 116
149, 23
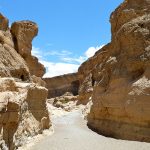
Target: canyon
23, 111
111, 89
117, 78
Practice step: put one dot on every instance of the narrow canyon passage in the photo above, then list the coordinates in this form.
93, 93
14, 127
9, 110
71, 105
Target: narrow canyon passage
71, 133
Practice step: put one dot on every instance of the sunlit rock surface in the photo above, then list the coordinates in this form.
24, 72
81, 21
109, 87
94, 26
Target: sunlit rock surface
117, 77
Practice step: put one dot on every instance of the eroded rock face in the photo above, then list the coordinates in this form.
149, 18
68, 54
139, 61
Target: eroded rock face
117, 77
23, 33
23, 110
59, 85
33, 64
4, 23
11, 64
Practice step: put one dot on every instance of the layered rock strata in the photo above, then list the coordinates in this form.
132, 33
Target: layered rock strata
117, 77
23, 111
59, 85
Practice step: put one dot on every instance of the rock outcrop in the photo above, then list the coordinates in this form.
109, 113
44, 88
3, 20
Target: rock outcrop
67, 101
23, 111
4, 23
23, 33
11, 64
117, 78
59, 85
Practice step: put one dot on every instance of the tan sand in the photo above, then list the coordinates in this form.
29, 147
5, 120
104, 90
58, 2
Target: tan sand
71, 133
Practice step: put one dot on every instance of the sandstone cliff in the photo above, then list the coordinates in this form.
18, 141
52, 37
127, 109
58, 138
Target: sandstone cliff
117, 78
23, 33
23, 111
59, 85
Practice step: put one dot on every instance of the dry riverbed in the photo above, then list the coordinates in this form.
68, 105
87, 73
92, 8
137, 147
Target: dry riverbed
71, 133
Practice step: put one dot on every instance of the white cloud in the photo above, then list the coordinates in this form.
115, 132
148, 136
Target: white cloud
66, 63
36, 52
78, 60
89, 53
92, 50
56, 69
61, 53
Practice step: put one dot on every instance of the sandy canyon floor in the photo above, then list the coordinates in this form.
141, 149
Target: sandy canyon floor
72, 133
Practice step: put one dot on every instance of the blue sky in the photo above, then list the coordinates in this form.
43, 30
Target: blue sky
70, 31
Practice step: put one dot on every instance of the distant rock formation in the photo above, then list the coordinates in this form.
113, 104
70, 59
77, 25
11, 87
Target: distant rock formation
117, 78
66, 102
57, 86
23, 111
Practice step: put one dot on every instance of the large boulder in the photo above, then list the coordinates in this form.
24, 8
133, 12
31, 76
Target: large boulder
22, 110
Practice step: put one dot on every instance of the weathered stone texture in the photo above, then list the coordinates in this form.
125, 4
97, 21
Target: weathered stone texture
117, 78
3, 23
23, 33
23, 110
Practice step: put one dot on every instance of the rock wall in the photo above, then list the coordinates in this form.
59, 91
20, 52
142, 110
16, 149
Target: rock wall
117, 78
59, 85
23, 111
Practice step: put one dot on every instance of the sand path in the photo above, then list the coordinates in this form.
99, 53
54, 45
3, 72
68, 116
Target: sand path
71, 133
